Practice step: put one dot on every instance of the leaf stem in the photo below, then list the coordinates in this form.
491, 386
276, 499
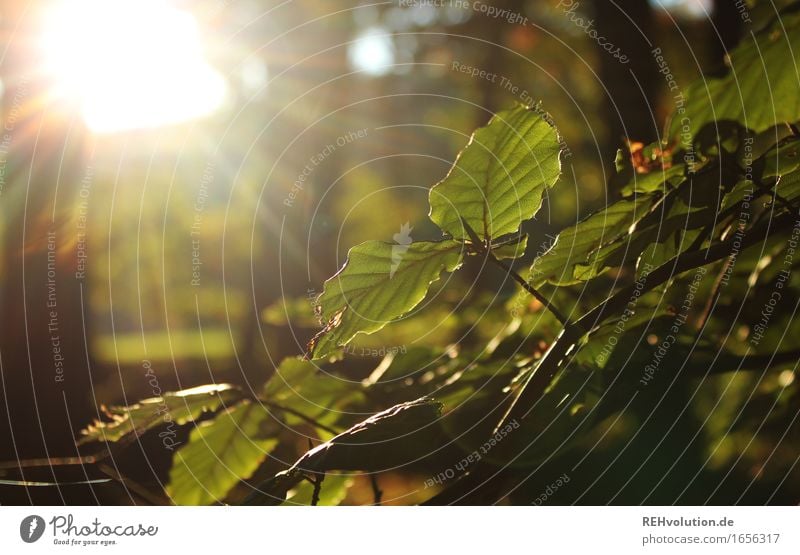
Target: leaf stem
317, 482
298, 414
134, 486
530, 289
484, 247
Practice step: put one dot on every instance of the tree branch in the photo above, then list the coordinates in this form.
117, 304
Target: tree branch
686, 261
728, 362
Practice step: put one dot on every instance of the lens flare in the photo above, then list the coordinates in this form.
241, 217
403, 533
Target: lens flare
129, 63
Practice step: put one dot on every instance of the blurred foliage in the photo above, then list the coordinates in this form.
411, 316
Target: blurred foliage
639, 366
210, 243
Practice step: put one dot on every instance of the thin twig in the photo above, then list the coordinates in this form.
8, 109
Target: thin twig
377, 494
298, 414
32, 484
529, 288
484, 247
317, 488
133, 486
96, 460
56, 461
727, 362
712, 298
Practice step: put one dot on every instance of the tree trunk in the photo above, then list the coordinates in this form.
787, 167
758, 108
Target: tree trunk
630, 82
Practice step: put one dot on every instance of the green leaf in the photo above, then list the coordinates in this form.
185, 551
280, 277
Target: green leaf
575, 245
759, 91
388, 439
780, 160
499, 178
789, 186
655, 180
646, 169
512, 249
177, 407
380, 282
300, 385
282, 386
661, 234
743, 190
220, 453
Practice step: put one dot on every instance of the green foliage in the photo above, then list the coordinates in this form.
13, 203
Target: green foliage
578, 248
641, 273
299, 385
334, 491
388, 439
512, 249
382, 441
379, 283
758, 91
220, 453
496, 183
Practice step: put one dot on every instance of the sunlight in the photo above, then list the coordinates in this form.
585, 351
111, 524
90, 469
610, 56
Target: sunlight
690, 8
129, 64
372, 52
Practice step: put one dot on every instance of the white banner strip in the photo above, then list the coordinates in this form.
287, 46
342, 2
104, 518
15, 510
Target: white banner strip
401, 530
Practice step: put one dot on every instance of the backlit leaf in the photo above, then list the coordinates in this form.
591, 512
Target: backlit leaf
499, 178
575, 245
220, 453
379, 283
177, 407
512, 249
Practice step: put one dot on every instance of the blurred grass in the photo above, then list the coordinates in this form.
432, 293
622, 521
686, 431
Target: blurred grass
125, 348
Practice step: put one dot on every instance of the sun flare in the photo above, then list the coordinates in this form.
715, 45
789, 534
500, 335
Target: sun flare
129, 64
